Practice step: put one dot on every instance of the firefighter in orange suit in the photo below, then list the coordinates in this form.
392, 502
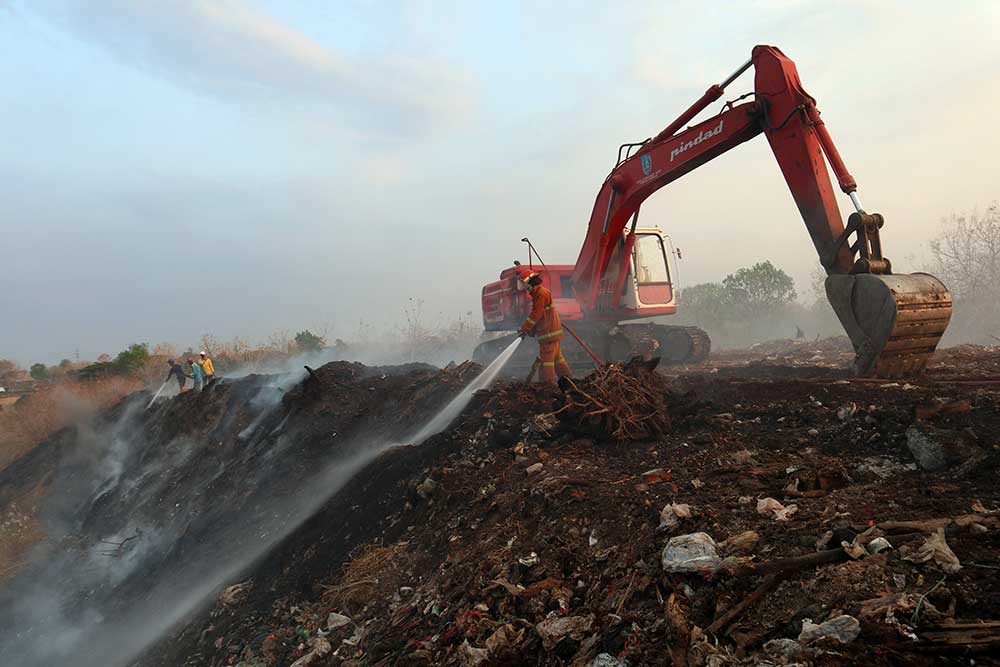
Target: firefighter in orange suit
544, 324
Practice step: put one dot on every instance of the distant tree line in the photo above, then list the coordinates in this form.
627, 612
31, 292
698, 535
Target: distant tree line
967, 253
754, 303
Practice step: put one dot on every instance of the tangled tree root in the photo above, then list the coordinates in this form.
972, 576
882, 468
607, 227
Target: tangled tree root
629, 402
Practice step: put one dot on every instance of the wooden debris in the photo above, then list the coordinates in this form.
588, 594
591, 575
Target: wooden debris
623, 402
769, 582
931, 525
980, 636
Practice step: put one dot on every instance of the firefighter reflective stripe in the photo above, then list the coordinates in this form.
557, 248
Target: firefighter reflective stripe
543, 320
548, 363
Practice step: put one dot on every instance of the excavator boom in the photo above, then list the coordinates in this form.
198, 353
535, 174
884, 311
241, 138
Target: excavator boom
894, 321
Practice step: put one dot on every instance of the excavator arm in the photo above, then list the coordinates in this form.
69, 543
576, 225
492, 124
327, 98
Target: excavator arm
893, 321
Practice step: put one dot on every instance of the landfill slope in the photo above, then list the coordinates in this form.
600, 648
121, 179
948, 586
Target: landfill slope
789, 514
779, 512
143, 514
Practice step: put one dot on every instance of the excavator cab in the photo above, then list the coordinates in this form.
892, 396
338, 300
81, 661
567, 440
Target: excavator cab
649, 286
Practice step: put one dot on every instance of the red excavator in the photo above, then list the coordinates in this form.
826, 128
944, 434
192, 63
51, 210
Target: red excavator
622, 274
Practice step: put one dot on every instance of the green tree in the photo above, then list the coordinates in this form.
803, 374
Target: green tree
308, 342
39, 371
708, 304
132, 359
760, 290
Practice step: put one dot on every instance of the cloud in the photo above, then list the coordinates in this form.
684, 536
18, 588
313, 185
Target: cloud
225, 48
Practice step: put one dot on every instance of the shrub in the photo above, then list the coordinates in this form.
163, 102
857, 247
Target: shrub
308, 342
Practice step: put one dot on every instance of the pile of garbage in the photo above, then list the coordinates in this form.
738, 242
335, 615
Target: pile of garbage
781, 521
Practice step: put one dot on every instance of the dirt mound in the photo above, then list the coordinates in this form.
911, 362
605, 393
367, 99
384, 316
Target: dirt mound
774, 521
780, 521
146, 511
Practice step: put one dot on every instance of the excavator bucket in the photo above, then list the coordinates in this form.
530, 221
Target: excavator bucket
893, 321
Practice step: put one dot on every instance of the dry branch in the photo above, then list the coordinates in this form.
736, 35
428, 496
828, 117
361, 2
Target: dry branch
734, 612
623, 402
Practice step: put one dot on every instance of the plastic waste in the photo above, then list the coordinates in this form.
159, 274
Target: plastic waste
843, 629
553, 630
690, 553
776, 509
335, 620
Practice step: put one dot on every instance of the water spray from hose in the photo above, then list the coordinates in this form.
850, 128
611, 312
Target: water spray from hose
457, 404
157, 394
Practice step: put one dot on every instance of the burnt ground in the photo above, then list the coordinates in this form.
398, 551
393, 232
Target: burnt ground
513, 540
498, 560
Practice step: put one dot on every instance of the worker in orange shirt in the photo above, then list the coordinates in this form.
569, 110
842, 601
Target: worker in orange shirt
544, 324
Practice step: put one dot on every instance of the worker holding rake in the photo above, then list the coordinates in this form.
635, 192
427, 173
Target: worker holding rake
544, 324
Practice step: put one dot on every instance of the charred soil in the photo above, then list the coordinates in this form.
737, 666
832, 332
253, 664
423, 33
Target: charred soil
529, 532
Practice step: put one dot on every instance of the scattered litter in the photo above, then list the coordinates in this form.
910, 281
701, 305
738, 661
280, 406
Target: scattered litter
553, 630
878, 545
503, 638
530, 560
690, 553
335, 620
470, 656
319, 647
777, 511
673, 514
535, 468
843, 629
936, 548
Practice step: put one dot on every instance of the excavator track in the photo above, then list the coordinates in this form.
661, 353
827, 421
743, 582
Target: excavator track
674, 345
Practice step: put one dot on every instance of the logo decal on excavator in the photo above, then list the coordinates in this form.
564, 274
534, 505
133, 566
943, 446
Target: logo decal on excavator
702, 136
647, 164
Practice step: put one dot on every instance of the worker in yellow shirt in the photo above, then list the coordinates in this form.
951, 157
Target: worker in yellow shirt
207, 370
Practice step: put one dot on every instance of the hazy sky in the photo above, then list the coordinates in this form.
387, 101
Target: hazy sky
170, 169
